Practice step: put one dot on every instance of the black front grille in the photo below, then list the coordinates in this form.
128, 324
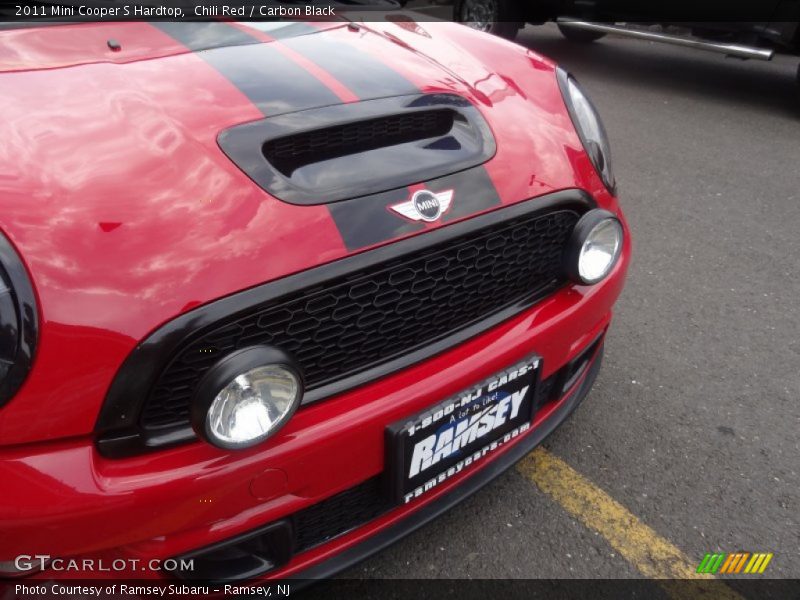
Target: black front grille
295, 151
368, 318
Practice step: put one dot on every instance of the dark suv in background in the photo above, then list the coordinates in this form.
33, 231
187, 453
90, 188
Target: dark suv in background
746, 29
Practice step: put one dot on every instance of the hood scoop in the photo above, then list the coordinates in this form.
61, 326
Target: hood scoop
324, 155
287, 154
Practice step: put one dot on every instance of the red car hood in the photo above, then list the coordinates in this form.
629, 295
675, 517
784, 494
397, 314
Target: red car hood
115, 192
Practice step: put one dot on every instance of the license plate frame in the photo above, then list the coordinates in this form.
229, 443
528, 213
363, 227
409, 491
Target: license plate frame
427, 448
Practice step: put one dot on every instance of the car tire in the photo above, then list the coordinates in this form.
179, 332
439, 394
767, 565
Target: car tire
492, 16
583, 36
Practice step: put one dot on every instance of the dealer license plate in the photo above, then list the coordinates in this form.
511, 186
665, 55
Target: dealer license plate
429, 448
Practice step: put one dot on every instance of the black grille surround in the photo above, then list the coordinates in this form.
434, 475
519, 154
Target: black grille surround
365, 318
351, 321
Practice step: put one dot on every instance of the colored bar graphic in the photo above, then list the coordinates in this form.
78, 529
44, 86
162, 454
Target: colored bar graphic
732, 558
703, 566
735, 563
717, 562
763, 566
740, 564
754, 564
711, 562
759, 563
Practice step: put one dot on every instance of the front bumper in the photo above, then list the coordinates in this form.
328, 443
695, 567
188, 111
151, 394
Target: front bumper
64, 499
444, 501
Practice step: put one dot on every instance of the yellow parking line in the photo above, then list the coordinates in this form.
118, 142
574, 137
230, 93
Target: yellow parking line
652, 555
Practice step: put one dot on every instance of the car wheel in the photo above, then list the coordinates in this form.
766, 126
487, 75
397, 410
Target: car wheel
584, 36
492, 16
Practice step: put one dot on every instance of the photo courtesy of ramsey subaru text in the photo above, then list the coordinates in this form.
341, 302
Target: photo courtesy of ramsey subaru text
276, 294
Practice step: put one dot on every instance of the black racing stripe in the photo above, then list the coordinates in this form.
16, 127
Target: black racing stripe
474, 192
367, 221
274, 83
199, 36
281, 30
365, 75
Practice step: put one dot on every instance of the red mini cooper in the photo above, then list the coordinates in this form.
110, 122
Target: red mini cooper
276, 294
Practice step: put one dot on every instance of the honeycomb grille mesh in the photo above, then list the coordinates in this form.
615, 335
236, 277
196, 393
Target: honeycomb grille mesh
340, 513
383, 312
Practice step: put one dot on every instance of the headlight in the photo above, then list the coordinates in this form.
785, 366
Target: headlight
589, 127
246, 397
594, 247
18, 321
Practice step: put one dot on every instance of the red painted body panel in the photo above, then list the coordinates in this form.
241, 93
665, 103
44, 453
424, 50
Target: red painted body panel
115, 193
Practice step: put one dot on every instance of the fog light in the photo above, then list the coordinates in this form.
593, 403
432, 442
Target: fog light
594, 247
246, 397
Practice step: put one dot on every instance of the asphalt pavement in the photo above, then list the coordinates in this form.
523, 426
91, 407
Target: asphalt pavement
693, 423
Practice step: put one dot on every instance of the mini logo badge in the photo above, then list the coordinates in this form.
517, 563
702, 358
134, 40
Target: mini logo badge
425, 205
